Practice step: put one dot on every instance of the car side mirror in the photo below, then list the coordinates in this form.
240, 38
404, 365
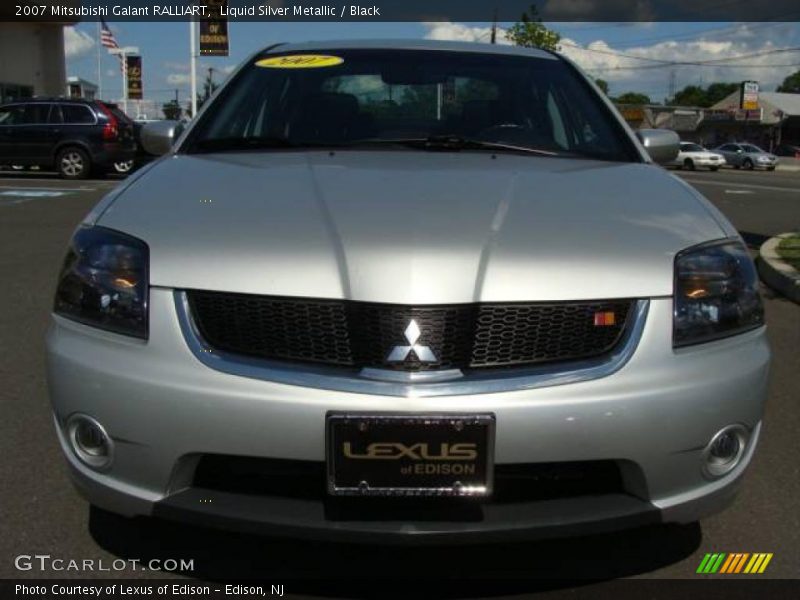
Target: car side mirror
157, 137
661, 144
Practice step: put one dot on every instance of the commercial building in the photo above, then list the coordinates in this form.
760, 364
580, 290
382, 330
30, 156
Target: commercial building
775, 121
33, 61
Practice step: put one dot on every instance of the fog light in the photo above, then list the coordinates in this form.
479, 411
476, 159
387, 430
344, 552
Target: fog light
90, 442
725, 450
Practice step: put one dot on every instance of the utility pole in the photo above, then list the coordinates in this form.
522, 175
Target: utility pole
193, 66
672, 83
99, 66
494, 28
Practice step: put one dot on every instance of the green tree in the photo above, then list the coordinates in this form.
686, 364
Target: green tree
695, 95
531, 33
603, 85
719, 91
633, 98
172, 110
790, 85
691, 95
209, 86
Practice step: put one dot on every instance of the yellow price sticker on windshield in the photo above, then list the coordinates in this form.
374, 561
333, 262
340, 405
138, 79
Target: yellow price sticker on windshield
300, 61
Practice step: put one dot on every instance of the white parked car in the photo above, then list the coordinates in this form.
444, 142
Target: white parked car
691, 155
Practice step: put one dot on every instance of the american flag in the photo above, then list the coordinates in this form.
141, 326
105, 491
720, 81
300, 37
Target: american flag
107, 40
106, 37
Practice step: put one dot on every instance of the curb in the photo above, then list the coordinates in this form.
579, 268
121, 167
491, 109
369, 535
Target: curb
776, 273
789, 168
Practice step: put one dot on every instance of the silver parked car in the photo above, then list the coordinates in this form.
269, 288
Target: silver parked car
747, 156
416, 290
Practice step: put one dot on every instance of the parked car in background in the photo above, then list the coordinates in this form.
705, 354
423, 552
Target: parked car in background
691, 155
747, 156
790, 150
142, 156
75, 137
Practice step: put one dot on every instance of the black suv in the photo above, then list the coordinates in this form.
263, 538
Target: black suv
76, 137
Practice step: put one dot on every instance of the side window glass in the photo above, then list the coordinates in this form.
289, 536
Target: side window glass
12, 115
55, 114
76, 114
35, 114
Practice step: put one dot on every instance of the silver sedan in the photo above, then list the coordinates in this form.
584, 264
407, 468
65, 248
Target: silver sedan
747, 156
408, 291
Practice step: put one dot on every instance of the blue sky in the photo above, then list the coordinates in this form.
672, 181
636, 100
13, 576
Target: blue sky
604, 49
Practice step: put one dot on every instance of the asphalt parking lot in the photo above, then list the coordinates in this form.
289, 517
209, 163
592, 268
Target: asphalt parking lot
42, 514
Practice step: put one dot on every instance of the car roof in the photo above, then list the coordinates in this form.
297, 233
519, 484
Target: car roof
50, 99
411, 44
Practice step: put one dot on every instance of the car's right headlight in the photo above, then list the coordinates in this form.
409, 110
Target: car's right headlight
716, 293
104, 281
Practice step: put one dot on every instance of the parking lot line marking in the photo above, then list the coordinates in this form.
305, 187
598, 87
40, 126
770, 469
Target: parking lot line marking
739, 192
736, 184
34, 193
49, 189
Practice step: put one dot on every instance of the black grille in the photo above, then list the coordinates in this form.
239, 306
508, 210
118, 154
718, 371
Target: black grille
362, 334
306, 479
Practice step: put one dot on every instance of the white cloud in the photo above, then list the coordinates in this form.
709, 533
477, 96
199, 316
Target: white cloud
600, 59
77, 43
176, 66
178, 78
462, 33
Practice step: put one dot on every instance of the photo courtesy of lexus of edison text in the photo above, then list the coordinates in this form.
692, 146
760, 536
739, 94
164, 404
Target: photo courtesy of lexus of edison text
455, 294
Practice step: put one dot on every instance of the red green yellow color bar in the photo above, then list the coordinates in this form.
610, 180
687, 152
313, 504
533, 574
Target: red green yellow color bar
735, 562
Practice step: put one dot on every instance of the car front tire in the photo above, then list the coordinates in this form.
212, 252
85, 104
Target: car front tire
714, 168
689, 164
73, 163
748, 164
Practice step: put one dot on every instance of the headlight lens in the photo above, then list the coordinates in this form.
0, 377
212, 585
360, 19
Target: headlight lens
716, 293
104, 281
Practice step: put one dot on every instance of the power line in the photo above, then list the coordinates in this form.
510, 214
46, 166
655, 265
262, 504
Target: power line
714, 62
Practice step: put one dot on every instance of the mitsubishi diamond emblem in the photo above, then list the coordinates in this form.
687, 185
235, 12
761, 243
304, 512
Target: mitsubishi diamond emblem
423, 353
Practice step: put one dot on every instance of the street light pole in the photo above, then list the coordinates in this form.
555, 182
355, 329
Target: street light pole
193, 66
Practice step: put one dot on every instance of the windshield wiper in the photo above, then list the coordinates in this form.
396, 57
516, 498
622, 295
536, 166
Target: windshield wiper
453, 142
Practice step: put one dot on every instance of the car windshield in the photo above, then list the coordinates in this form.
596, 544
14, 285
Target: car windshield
416, 99
692, 148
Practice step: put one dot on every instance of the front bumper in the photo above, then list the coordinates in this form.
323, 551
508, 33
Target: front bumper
164, 409
709, 162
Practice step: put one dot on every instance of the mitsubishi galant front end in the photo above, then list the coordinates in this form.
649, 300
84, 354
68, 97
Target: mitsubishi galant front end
388, 291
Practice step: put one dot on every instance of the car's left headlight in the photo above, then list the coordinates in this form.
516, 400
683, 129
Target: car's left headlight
716, 293
104, 281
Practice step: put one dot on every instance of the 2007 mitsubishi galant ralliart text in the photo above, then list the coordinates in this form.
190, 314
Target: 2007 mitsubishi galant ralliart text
408, 291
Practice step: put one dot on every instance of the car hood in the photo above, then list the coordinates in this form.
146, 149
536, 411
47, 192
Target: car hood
412, 227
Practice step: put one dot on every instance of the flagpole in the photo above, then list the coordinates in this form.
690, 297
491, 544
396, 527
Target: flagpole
193, 65
99, 68
124, 82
